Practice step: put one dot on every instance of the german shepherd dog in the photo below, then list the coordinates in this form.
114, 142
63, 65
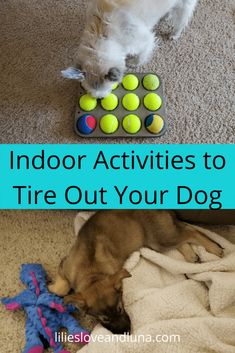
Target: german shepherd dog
94, 267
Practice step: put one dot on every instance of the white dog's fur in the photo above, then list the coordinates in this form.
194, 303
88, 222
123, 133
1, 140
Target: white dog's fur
116, 29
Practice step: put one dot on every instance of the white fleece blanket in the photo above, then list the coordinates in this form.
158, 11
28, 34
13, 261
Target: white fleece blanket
170, 313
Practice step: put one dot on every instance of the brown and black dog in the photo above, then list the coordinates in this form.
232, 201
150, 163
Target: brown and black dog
94, 266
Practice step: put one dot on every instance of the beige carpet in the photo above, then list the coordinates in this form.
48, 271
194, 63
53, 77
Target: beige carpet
37, 236
39, 38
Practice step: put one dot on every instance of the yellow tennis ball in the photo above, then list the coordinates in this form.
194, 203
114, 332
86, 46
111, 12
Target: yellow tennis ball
115, 86
152, 101
151, 82
154, 123
131, 123
131, 101
87, 102
110, 102
109, 123
130, 82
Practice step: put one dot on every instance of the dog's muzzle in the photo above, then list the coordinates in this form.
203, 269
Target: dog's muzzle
119, 324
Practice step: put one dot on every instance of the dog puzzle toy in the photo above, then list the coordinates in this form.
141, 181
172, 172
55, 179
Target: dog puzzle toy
46, 313
135, 108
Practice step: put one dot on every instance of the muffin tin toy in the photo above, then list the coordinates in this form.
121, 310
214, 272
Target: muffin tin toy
135, 108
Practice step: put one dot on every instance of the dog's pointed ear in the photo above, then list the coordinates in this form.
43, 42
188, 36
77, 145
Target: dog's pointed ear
76, 299
73, 74
114, 74
118, 277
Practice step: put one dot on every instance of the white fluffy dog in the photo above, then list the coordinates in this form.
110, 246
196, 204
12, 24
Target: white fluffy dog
117, 29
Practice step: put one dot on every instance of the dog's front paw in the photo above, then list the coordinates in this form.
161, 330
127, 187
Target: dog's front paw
193, 258
133, 61
51, 288
216, 250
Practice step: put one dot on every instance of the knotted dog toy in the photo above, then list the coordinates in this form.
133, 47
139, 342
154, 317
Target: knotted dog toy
46, 312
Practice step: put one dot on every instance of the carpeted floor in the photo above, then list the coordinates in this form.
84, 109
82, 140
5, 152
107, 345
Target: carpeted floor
39, 38
37, 236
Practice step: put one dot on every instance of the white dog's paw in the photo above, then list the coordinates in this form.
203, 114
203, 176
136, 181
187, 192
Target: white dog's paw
133, 60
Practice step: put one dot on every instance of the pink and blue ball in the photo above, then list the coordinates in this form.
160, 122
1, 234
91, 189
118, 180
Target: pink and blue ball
86, 124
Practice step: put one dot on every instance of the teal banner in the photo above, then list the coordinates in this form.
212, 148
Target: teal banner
117, 176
